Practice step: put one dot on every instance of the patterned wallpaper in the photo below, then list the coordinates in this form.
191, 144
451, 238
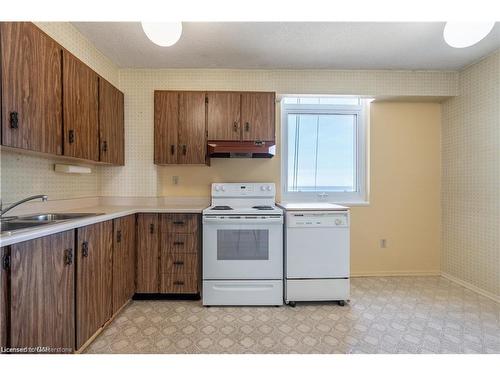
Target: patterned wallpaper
471, 178
141, 177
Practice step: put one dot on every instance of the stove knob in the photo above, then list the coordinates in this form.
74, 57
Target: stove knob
268, 188
217, 187
263, 188
223, 188
338, 221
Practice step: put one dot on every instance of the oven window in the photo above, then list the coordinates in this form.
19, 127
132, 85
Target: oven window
238, 244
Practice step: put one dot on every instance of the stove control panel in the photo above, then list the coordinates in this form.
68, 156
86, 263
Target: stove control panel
243, 190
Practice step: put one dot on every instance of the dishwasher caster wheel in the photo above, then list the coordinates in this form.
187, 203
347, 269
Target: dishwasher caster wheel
291, 303
341, 303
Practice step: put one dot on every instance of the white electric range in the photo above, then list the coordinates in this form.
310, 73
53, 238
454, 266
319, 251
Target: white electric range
243, 246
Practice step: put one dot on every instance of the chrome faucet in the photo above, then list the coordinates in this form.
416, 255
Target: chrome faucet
42, 197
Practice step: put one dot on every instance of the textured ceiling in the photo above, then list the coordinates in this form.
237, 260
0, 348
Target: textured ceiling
289, 45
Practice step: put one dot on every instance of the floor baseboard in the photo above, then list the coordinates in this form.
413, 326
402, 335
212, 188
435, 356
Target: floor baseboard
468, 285
395, 273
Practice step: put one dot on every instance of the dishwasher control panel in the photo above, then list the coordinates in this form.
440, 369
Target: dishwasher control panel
317, 219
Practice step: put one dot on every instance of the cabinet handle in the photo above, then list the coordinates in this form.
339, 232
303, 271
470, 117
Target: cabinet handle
172, 149
178, 243
179, 223
247, 126
14, 120
178, 282
71, 136
68, 257
184, 149
119, 236
85, 248
151, 228
235, 126
178, 263
105, 146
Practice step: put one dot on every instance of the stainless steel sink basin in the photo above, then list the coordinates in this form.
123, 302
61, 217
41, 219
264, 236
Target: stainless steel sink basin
16, 225
56, 217
11, 224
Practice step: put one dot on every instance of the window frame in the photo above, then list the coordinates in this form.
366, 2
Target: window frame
360, 195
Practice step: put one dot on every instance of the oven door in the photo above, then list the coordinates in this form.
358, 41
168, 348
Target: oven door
242, 248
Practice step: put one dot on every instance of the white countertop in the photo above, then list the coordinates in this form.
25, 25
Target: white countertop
108, 213
311, 206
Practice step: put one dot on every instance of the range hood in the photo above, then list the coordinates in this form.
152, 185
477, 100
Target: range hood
242, 149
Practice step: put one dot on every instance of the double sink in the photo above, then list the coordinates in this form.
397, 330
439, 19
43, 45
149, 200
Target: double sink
15, 223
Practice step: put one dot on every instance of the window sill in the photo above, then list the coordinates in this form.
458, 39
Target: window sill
353, 204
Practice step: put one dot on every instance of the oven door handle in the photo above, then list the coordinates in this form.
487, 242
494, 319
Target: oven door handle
242, 220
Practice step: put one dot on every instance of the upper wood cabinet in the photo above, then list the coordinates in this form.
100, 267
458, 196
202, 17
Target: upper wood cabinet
241, 116
80, 109
180, 127
223, 116
185, 120
53, 103
42, 292
93, 279
111, 124
257, 116
192, 128
166, 119
31, 88
124, 260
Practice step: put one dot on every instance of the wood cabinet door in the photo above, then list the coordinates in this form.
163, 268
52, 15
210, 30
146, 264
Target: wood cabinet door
111, 124
80, 109
93, 279
31, 72
123, 260
147, 253
223, 116
42, 292
192, 128
166, 123
257, 116
4, 301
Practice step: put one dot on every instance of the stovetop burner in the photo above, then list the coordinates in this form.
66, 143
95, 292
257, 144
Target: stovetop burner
221, 208
262, 208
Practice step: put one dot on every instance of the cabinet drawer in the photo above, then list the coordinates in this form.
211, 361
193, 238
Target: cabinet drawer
179, 223
173, 243
179, 283
180, 263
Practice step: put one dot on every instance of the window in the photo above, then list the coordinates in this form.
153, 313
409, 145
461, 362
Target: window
324, 149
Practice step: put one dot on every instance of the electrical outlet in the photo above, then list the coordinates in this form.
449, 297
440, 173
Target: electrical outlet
175, 180
383, 243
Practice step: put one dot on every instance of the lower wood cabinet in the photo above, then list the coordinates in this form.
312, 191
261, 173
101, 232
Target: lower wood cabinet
58, 291
4, 302
168, 248
124, 260
147, 253
42, 292
93, 279
179, 248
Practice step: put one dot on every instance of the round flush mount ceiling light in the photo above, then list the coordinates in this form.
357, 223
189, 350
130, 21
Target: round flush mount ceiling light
466, 34
164, 34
